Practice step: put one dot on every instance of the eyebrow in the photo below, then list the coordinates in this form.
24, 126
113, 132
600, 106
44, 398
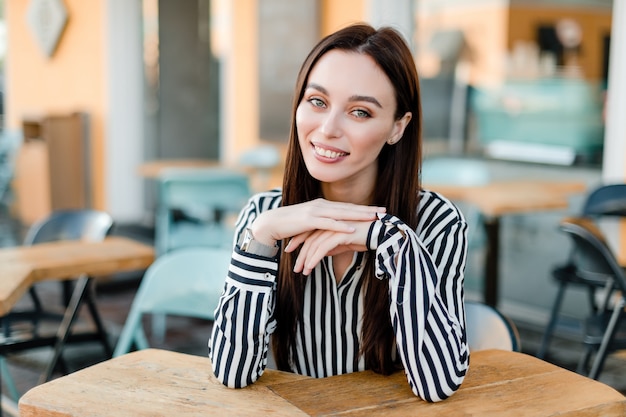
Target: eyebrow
355, 97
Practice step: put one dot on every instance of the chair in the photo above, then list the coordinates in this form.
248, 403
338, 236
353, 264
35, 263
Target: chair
458, 171
488, 328
186, 282
604, 201
194, 205
91, 225
604, 330
260, 161
442, 171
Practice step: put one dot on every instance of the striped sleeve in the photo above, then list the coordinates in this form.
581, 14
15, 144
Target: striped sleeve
239, 343
425, 273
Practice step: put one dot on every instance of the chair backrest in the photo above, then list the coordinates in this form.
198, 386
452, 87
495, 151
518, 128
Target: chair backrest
606, 200
263, 156
488, 328
185, 282
212, 188
454, 171
207, 195
92, 225
464, 172
592, 256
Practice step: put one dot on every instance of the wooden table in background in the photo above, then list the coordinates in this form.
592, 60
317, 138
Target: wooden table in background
22, 266
501, 198
261, 179
153, 169
161, 383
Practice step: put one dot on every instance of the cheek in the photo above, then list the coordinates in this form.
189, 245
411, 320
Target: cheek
304, 121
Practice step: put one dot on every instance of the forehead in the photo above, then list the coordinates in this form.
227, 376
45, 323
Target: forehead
352, 73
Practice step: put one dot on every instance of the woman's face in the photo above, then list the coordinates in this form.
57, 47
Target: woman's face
345, 118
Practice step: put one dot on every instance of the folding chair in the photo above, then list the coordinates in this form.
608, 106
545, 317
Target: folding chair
89, 225
604, 329
193, 207
605, 201
186, 282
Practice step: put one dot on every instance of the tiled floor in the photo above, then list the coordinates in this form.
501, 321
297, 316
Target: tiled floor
188, 335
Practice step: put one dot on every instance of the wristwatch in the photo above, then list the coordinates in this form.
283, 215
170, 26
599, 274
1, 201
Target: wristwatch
250, 245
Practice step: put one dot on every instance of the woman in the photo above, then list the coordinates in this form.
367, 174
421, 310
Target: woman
350, 266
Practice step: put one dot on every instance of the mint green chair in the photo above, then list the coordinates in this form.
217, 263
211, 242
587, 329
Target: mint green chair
186, 282
463, 172
459, 171
195, 205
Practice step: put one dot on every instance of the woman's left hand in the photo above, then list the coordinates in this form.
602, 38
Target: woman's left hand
318, 243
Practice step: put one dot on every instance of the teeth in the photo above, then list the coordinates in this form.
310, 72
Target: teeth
328, 153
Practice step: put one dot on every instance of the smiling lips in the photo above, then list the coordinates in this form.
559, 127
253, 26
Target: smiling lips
327, 153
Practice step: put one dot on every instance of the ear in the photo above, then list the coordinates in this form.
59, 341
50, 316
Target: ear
398, 127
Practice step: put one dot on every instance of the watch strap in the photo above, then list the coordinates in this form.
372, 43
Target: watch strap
249, 245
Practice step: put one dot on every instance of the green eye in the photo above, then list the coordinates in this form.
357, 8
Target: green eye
361, 114
316, 102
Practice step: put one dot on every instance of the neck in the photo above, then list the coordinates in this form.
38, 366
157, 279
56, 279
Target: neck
347, 193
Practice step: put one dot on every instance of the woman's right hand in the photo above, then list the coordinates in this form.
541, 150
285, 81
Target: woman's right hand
320, 214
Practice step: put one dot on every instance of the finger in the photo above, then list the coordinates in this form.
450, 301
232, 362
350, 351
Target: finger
303, 261
317, 246
296, 241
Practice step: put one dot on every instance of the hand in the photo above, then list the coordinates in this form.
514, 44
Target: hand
305, 218
320, 243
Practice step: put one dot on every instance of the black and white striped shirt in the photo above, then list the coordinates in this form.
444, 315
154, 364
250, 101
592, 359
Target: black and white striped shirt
425, 272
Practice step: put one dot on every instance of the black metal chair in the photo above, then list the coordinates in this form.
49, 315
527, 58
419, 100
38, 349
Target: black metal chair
602, 202
22, 329
604, 331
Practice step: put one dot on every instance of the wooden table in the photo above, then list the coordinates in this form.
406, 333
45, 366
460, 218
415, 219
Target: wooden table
23, 266
501, 198
161, 383
153, 169
262, 179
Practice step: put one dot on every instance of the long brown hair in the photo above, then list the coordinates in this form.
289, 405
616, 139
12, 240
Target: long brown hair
397, 187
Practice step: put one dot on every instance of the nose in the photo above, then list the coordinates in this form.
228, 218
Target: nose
331, 124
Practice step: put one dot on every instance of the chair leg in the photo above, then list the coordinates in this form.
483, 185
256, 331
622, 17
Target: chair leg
7, 379
65, 326
554, 315
583, 362
141, 341
600, 358
159, 324
95, 316
132, 333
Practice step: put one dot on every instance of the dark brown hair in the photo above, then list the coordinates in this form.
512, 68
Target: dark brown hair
396, 189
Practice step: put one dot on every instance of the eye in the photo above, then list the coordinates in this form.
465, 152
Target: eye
316, 102
361, 114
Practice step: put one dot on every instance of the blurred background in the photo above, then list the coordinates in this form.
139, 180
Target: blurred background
91, 90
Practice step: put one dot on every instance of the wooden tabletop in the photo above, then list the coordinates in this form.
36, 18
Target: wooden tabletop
153, 169
514, 196
22, 266
161, 383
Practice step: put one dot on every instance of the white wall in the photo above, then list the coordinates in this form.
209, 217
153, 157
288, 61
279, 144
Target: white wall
398, 14
615, 133
124, 132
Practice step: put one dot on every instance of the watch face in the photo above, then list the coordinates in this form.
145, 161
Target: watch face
247, 238
250, 245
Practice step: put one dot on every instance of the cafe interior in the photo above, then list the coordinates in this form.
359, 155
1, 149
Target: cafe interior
132, 133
